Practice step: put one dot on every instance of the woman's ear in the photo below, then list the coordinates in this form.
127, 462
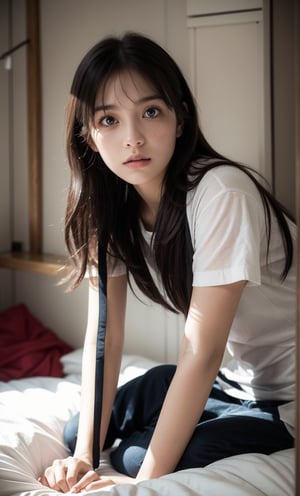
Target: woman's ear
88, 138
179, 130
91, 143
180, 124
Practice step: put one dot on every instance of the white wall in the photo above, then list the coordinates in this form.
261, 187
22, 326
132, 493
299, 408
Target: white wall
228, 83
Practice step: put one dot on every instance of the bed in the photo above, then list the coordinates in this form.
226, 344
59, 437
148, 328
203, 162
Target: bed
34, 410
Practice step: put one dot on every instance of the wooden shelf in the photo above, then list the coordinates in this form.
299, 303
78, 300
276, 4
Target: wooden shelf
43, 264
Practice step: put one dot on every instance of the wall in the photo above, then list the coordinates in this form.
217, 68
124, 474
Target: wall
283, 68
5, 145
229, 80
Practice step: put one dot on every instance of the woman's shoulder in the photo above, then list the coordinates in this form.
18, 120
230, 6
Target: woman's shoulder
230, 175
222, 179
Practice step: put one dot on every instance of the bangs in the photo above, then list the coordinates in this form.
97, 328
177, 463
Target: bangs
98, 90
94, 85
116, 80
112, 57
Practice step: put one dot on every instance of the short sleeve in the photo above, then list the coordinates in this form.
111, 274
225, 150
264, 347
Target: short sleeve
227, 227
115, 267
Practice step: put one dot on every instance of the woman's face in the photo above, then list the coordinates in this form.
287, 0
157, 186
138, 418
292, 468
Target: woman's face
134, 131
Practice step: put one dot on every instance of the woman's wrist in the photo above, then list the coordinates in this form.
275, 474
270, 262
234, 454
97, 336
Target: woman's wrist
85, 456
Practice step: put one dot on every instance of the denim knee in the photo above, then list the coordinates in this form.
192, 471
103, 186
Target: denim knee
128, 457
70, 433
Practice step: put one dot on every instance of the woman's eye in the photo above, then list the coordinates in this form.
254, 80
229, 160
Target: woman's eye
152, 112
107, 121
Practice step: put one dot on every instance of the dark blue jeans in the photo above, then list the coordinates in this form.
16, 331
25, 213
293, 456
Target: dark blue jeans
228, 426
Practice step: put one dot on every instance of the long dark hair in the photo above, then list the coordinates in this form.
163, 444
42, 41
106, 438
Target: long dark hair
103, 208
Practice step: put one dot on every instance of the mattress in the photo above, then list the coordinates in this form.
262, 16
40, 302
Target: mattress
33, 412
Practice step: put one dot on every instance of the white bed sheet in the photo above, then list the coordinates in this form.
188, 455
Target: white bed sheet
34, 411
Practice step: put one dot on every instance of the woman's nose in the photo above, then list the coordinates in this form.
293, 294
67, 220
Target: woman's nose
133, 143
134, 138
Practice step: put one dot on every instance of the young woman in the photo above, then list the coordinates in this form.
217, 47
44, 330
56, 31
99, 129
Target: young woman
146, 184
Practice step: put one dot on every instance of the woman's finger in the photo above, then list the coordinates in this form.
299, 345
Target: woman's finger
56, 476
43, 480
85, 480
99, 484
76, 468
64, 474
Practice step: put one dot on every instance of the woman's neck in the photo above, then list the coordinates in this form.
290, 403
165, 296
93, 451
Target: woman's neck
149, 206
148, 215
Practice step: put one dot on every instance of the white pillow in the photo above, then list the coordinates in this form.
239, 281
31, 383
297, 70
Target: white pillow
131, 366
71, 362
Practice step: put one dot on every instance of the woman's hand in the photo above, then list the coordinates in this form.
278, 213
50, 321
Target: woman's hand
87, 483
65, 475
75, 475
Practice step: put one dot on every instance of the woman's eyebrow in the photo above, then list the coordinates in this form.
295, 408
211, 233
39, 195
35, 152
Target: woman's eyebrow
141, 100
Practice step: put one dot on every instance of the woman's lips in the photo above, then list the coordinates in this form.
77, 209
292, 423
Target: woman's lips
136, 161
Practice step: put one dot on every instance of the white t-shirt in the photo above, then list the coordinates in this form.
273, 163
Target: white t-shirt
227, 224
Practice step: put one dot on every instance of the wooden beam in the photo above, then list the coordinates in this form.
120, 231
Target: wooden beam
297, 154
34, 260
34, 128
43, 264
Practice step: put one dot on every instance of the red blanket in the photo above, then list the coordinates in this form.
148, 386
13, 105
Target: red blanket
27, 348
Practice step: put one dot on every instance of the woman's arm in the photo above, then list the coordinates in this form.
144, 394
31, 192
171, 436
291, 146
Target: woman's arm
64, 474
211, 313
116, 302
